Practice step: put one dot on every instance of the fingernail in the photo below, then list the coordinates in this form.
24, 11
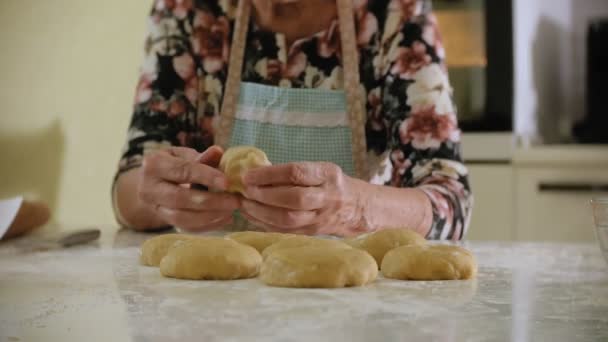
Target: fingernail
197, 199
219, 183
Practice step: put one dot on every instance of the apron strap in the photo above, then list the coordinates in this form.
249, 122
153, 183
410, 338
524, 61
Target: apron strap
233, 81
352, 85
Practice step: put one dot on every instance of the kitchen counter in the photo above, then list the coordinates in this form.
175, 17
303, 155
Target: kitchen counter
524, 292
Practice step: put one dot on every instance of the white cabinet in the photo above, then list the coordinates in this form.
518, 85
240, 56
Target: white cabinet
554, 187
493, 211
542, 196
552, 202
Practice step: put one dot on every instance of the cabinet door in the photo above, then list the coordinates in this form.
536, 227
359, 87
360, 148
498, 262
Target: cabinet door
493, 191
552, 204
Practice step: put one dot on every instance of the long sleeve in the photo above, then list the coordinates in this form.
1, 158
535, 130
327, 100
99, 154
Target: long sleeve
410, 111
418, 117
181, 80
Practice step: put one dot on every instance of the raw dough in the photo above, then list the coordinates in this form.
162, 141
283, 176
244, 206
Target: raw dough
212, 258
430, 262
319, 267
382, 241
236, 160
154, 249
301, 241
258, 240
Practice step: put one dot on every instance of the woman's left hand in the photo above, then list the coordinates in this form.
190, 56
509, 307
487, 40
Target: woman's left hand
304, 198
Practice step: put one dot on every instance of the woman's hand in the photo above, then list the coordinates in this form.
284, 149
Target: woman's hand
165, 187
306, 198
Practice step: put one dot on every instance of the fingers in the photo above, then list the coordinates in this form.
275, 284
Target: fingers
314, 229
177, 197
180, 170
211, 156
164, 186
198, 221
181, 152
288, 219
260, 224
289, 197
301, 173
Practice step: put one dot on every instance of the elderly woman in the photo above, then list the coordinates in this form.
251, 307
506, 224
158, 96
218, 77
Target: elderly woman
349, 98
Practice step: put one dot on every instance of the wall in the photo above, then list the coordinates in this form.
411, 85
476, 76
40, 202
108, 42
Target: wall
68, 71
550, 55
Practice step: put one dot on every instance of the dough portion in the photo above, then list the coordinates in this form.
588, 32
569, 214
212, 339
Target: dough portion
258, 240
236, 160
430, 262
154, 249
318, 267
380, 242
304, 240
210, 258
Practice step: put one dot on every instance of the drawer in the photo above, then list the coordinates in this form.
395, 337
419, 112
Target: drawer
493, 210
552, 203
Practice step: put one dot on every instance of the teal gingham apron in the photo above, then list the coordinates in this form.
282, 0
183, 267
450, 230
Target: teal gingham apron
292, 125
289, 127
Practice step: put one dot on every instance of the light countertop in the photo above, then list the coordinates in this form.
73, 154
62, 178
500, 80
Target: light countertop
524, 292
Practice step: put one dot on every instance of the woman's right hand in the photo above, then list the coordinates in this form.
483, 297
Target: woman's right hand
165, 186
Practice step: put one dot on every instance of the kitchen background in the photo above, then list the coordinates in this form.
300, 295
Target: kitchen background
68, 74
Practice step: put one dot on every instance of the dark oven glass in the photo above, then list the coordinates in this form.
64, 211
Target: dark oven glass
477, 35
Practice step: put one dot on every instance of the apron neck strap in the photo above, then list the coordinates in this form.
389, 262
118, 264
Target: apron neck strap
233, 80
352, 85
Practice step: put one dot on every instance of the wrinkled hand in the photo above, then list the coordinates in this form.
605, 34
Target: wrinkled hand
305, 198
167, 175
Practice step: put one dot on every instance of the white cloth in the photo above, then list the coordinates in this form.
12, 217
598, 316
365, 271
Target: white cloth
8, 211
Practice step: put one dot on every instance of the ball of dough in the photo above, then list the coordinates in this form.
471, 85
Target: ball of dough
258, 240
236, 160
430, 262
301, 241
382, 241
211, 258
318, 267
154, 249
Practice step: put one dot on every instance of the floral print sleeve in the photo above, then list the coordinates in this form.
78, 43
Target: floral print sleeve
181, 79
411, 124
419, 117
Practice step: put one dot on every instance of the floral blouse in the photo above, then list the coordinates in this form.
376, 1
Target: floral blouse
411, 116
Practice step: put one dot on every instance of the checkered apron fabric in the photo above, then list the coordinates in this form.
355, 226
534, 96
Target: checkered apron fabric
287, 124
292, 125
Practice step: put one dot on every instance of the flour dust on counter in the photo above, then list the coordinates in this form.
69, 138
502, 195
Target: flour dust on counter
523, 292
